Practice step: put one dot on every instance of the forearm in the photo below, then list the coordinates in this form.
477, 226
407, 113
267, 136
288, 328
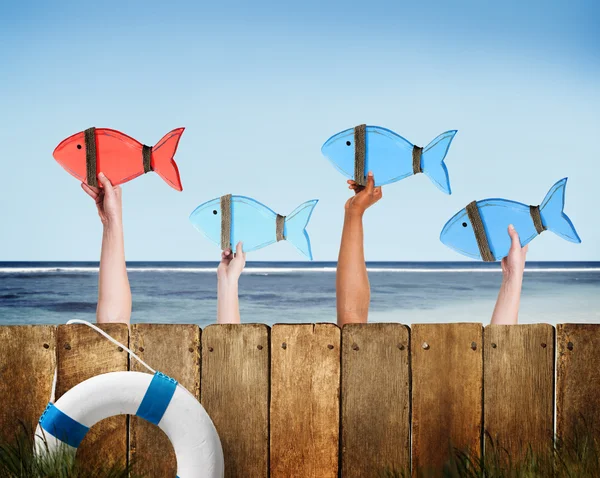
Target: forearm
509, 298
114, 294
228, 304
352, 282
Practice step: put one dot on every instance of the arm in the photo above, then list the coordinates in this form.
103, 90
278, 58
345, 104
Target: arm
353, 292
228, 274
114, 294
507, 306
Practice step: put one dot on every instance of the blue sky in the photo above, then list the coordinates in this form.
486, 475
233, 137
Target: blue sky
260, 86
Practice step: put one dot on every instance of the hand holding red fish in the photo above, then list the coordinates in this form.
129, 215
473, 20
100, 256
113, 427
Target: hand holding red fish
108, 200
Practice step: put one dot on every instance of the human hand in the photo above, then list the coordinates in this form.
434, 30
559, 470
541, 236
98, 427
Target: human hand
513, 265
364, 196
231, 265
108, 200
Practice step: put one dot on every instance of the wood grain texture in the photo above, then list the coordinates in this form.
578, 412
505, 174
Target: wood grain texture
519, 387
175, 351
27, 363
235, 393
84, 353
447, 377
375, 418
305, 404
578, 381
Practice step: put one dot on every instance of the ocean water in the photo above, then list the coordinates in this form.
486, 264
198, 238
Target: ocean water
174, 292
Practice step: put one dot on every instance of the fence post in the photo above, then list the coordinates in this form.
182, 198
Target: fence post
305, 400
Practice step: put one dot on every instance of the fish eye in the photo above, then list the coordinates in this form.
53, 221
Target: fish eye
464, 224
78, 146
215, 212
348, 143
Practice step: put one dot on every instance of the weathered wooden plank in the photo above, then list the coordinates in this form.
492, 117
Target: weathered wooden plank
305, 386
447, 376
235, 393
83, 353
578, 382
27, 363
375, 399
175, 351
519, 387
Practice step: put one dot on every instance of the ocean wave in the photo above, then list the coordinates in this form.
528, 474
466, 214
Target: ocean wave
281, 270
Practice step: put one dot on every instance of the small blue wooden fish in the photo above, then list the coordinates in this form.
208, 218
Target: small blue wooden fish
230, 219
356, 151
495, 215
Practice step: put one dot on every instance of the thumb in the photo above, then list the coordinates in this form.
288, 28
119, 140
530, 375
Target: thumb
108, 187
239, 248
514, 237
370, 183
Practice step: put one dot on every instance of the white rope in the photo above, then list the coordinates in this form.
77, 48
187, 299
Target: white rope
101, 332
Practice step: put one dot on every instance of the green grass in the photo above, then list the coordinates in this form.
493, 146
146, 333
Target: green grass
578, 457
17, 460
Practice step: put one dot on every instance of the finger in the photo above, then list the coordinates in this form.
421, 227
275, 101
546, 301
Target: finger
526, 248
514, 238
239, 248
91, 192
378, 192
351, 181
108, 187
370, 183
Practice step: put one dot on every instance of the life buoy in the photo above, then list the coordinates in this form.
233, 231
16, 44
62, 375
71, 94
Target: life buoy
156, 398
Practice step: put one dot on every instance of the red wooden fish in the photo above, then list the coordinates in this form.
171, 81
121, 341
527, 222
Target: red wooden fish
120, 157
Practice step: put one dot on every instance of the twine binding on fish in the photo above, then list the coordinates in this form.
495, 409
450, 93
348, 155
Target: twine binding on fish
279, 223
147, 157
479, 230
537, 219
416, 157
226, 222
90, 156
360, 152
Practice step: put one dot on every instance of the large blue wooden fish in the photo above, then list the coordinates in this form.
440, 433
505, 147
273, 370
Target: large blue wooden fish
230, 219
356, 151
480, 231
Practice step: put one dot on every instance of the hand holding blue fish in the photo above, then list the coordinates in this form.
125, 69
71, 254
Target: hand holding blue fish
364, 196
479, 230
231, 219
388, 155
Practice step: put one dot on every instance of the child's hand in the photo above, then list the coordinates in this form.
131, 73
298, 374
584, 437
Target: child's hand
108, 200
231, 265
364, 197
513, 265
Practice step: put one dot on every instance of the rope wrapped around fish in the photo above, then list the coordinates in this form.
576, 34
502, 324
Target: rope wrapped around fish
356, 151
479, 231
120, 157
230, 219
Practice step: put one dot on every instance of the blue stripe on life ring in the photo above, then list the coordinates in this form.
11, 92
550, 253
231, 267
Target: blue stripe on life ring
157, 398
62, 426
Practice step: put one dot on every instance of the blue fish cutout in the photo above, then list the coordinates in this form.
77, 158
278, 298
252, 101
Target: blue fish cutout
254, 224
389, 156
497, 214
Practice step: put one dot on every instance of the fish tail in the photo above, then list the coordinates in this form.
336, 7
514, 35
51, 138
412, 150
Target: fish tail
432, 160
162, 158
295, 227
553, 217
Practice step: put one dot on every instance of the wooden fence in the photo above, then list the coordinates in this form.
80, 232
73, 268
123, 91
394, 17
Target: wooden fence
312, 400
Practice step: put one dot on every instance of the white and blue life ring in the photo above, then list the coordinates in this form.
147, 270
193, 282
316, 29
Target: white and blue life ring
157, 398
